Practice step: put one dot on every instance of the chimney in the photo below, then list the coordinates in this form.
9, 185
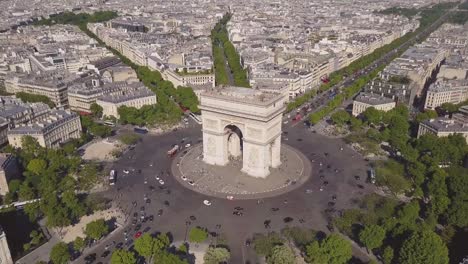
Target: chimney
95, 82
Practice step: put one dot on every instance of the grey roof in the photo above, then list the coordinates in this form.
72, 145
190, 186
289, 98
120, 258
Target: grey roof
372, 99
128, 95
445, 124
54, 119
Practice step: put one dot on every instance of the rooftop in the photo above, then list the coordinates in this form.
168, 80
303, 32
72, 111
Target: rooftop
243, 95
373, 99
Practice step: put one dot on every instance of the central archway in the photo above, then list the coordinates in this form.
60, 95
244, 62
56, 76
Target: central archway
234, 141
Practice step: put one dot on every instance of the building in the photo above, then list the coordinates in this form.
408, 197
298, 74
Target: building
58, 127
5, 254
81, 96
189, 79
242, 123
366, 100
135, 98
446, 91
445, 126
8, 171
4, 126
120, 74
128, 25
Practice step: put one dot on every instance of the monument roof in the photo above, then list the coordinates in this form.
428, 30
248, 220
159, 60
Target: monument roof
243, 95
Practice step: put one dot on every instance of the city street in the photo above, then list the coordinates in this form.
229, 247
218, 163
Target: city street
175, 209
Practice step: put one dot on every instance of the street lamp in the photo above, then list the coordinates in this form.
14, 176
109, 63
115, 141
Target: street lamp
187, 224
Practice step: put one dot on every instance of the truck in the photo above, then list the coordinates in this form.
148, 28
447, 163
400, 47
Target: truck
112, 177
140, 130
173, 151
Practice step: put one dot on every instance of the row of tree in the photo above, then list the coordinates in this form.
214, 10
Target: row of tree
220, 43
35, 98
315, 246
77, 19
55, 176
428, 16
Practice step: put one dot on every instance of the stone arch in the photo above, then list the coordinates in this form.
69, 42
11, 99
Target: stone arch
234, 140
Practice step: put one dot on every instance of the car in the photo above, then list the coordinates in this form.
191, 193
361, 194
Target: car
142, 209
146, 181
183, 178
126, 171
325, 183
321, 188
135, 215
207, 202
134, 222
274, 209
308, 191
238, 213
247, 243
230, 197
160, 212
166, 203
192, 218
357, 177
157, 178
161, 182
150, 218
192, 183
238, 208
90, 258
151, 164
105, 254
148, 201
137, 234
137, 227
187, 145
334, 197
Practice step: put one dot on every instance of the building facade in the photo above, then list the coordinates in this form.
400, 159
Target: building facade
444, 126
5, 254
452, 91
8, 171
366, 100
136, 98
57, 128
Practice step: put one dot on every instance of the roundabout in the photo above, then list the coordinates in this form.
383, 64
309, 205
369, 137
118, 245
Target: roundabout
230, 182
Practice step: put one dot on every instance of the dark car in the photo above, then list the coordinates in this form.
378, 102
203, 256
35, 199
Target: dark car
137, 227
135, 215
105, 254
90, 258
160, 212
150, 218
148, 201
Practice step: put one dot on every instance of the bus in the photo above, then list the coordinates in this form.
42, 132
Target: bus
372, 175
112, 177
196, 118
141, 130
109, 123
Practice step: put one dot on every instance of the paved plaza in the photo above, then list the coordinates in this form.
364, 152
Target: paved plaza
222, 181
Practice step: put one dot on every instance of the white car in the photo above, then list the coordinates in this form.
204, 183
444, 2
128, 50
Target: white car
187, 146
161, 182
157, 178
321, 188
146, 181
230, 197
192, 183
151, 165
183, 178
126, 171
207, 202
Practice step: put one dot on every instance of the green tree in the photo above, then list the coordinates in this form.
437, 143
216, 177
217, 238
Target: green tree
282, 255
59, 253
78, 244
387, 255
216, 255
264, 244
423, 247
122, 256
372, 236
168, 258
144, 246
332, 250
26, 192
96, 110
129, 138
197, 235
96, 229
426, 115
372, 115
37, 166
449, 107
340, 117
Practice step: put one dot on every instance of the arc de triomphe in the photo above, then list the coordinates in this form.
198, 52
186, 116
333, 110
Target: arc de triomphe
242, 123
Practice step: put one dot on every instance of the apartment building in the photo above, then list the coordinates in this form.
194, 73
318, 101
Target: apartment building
53, 88
445, 126
446, 91
58, 127
366, 100
189, 79
8, 171
134, 98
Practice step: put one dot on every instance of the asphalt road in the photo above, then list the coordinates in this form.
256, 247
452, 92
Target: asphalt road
219, 218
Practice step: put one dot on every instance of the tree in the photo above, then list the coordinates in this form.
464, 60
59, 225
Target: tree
168, 258
96, 110
122, 256
96, 229
37, 166
263, 244
423, 247
129, 138
387, 255
216, 255
372, 115
59, 253
144, 246
26, 192
78, 244
282, 255
449, 107
428, 114
332, 250
197, 235
372, 236
340, 117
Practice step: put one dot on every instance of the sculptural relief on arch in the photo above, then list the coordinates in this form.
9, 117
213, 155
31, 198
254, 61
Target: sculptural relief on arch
243, 124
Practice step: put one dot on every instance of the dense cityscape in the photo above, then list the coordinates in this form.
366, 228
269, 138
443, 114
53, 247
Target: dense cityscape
212, 131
